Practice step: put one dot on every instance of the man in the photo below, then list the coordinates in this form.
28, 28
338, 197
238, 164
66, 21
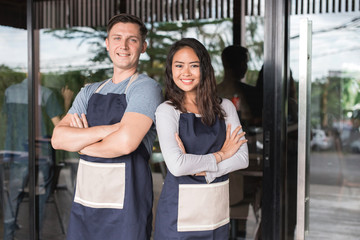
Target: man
111, 125
235, 61
16, 145
244, 96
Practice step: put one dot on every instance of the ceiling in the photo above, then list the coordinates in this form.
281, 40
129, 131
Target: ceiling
70, 13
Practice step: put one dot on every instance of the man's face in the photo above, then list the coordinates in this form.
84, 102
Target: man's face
125, 45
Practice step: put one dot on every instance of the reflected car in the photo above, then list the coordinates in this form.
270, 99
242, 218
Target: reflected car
320, 140
355, 146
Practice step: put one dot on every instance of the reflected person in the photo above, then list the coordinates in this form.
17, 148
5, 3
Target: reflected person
16, 145
244, 96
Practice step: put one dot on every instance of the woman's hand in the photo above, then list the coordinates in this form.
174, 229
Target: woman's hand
181, 146
231, 145
180, 143
201, 174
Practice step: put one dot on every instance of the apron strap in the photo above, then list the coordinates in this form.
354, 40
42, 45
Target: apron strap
101, 86
132, 79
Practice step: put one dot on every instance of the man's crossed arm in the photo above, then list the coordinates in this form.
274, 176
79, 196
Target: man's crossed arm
107, 141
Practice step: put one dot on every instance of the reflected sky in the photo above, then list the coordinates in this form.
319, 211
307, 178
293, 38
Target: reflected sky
336, 50
332, 49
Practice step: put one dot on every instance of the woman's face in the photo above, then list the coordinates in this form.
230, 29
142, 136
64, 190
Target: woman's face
186, 70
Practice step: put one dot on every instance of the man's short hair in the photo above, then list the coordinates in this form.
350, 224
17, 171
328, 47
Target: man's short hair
127, 18
235, 58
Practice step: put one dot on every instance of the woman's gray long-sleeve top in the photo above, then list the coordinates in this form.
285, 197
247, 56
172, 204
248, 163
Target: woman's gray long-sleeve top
180, 164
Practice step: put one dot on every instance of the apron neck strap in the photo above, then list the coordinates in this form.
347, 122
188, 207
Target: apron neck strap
102, 85
132, 79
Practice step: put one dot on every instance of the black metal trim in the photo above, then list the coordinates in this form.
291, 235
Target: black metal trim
237, 23
33, 226
274, 121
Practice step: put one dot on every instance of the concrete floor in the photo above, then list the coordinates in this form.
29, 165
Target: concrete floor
334, 213
334, 210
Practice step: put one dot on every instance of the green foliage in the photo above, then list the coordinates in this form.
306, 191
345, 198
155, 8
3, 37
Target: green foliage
8, 77
160, 37
252, 77
255, 41
350, 93
332, 97
98, 75
94, 36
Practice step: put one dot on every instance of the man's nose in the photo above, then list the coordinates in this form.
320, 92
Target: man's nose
123, 44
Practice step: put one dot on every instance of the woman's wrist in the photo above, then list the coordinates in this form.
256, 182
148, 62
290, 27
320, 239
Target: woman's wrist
218, 157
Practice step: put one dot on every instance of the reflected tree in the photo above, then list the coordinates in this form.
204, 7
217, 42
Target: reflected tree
213, 33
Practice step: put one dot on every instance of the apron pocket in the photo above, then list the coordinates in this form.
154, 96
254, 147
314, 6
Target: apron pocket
203, 207
100, 185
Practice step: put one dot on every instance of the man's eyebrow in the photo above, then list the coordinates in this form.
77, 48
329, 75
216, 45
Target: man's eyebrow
131, 36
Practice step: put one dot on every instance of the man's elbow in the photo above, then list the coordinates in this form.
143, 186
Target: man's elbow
123, 148
126, 145
56, 139
55, 143
59, 143
126, 150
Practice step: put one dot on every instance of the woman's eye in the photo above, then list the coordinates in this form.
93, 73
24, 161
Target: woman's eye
178, 66
195, 66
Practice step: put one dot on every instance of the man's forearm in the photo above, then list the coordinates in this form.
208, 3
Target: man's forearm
118, 143
74, 139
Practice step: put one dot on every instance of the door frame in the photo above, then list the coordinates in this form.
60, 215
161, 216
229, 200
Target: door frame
32, 86
276, 78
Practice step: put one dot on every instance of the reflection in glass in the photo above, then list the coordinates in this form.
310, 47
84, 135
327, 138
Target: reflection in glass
13, 132
55, 170
334, 167
242, 83
15, 109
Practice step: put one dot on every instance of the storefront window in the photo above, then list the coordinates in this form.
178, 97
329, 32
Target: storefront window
334, 178
13, 129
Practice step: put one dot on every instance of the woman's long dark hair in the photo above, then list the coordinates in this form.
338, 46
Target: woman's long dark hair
207, 100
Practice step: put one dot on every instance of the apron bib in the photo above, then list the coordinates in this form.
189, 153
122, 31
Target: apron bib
113, 196
189, 208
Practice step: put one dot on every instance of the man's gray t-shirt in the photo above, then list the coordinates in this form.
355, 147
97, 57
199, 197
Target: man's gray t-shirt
142, 96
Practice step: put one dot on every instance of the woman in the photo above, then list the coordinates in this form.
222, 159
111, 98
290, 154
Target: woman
198, 148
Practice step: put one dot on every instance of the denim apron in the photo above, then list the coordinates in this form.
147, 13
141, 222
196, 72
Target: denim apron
188, 207
113, 196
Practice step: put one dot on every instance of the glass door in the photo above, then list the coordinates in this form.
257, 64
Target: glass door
333, 163
14, 149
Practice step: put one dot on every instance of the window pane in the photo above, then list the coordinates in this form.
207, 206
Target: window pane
13, 133
334, 167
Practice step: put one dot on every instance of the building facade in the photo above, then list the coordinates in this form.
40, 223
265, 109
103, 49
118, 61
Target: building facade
302, 113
